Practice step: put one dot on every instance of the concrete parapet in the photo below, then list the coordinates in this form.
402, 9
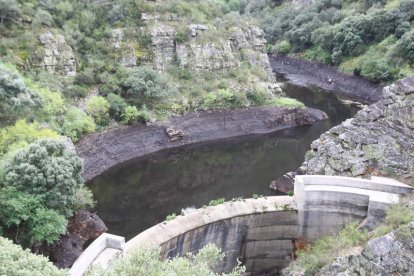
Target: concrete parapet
108, 244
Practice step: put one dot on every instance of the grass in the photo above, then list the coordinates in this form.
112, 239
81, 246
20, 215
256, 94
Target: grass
217, 201
286, 102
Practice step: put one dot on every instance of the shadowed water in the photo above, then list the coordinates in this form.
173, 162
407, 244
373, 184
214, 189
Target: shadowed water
141, 193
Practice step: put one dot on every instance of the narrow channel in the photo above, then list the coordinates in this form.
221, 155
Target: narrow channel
142, 192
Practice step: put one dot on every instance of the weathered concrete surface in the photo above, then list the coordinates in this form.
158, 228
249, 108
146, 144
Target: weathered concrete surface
307, 73
103, 244
235, 227
327, 203
378, 140
262, 232
101, 151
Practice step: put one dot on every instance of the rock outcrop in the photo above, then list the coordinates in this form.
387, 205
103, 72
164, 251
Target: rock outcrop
392, 254
55, 55
83, 228
378, 140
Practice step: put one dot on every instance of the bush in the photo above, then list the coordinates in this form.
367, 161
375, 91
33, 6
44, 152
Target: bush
16, 99
286, 102
145, 86
16, 261
98, 108
75, 91
283, 47
83, 199
406, 47
398, 215
324, 251
130, 115
27, 219
77, 123
146, 261
21, 135
117, 105
47, 169
258, 96
224, 99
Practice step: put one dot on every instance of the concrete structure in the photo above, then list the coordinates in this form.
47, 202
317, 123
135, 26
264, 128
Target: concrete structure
262, 232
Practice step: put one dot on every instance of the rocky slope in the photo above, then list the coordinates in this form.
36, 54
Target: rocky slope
378, 140
392, 254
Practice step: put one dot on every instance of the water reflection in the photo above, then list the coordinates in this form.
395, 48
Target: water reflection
141, 193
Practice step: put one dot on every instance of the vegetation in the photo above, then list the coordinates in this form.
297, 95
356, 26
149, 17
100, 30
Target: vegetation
145, 261
324, 251
217, 201
16, 261
370, 38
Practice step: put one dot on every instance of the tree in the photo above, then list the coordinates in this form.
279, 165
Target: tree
47, 169
146, 86
16, 261
15, 98
9, 10
27, 220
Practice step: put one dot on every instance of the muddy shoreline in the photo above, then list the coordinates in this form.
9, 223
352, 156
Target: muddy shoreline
306, 73
102, 151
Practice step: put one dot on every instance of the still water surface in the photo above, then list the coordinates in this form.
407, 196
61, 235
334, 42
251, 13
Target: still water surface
141, 193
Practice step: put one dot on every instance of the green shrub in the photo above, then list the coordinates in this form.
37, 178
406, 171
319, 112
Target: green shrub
117, 105
75, 91
171, 217
47, 169
77, 123
398, 215
98, 108
324, 251
146, 261
217, 201
130, 115
21, 135
16, 99
16, 261
258, 96
83, 199
27, 219
286, 102
224, 99
144, 86
283, 47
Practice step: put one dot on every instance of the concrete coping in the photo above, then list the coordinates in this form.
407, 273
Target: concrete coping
381, 184
383, 197
88, 256
165, 231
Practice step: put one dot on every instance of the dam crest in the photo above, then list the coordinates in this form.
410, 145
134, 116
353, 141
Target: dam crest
262, 232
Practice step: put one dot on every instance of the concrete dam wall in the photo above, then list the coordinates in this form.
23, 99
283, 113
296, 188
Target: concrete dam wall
262, 232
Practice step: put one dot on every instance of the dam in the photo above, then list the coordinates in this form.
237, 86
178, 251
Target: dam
260, 232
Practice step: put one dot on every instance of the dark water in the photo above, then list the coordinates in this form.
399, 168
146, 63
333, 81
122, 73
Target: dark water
141, 193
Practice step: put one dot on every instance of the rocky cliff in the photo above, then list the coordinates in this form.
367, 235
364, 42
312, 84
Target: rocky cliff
167, 41
392, 254
55, 55
378, 140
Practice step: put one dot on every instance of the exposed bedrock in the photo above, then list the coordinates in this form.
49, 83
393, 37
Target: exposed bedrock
101, 151
378, 140
307, 73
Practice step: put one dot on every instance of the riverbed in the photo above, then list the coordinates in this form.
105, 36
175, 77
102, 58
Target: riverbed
142, 192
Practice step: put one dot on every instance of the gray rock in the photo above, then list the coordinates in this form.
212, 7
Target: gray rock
379, 138
55, 55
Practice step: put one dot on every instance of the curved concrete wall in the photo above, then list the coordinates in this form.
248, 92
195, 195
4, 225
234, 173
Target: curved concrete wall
262, 232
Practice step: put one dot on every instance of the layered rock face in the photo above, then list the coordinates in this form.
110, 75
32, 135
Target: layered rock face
56, 56
197, 53
378, 140
392, 254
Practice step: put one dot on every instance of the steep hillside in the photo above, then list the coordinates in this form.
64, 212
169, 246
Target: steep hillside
369, 38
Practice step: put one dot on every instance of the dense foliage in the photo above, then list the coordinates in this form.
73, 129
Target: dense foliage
371, 38
15, 261
145, 261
